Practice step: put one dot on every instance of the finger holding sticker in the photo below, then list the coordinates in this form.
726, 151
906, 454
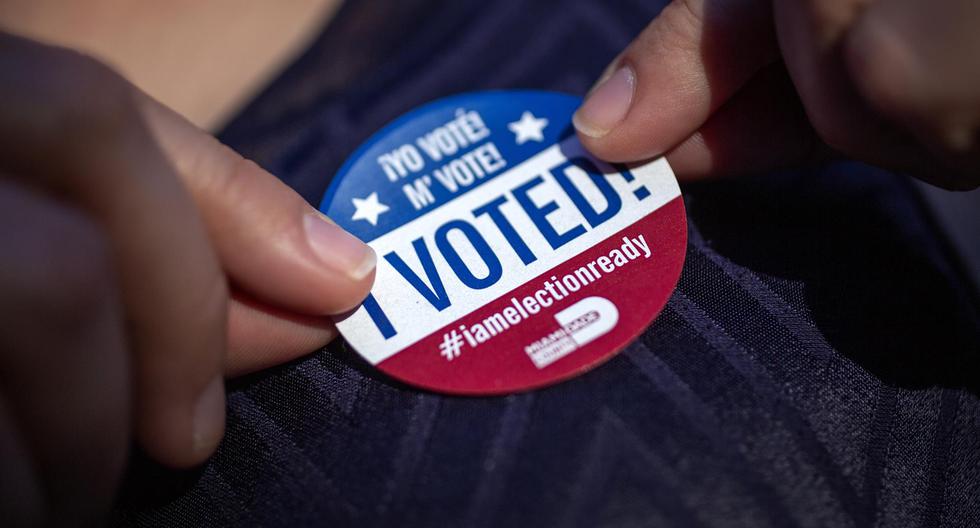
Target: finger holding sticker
508, 257
742, 86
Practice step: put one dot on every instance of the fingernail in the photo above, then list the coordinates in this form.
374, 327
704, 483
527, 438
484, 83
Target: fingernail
338, 249
607, 104
209, 416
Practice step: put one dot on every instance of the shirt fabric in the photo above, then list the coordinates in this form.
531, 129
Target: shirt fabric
816, 366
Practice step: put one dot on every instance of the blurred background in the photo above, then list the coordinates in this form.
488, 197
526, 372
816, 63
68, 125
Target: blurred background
808, 368
170, 49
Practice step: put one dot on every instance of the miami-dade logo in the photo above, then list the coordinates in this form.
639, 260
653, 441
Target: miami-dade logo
579, 324
509, 257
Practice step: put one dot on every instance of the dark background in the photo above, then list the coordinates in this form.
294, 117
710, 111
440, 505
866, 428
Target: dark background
817, 365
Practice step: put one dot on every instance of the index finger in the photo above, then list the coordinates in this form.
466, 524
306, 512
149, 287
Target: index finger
69, 128
688, 62
271, 242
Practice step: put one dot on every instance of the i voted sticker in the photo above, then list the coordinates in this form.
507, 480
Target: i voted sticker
508, 257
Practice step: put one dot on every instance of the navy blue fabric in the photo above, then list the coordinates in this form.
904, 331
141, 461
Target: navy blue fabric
817, 365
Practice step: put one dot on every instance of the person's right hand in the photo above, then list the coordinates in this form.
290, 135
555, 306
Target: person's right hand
123, 228
733, 86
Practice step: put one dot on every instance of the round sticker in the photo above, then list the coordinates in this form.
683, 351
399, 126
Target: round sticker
508, 257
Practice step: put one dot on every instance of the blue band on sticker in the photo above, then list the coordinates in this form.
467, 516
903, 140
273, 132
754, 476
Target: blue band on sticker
509, 257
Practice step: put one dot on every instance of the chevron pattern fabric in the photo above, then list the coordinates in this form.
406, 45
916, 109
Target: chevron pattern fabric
817, 366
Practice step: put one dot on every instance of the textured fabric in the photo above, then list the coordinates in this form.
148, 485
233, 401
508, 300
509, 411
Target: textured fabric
817, 365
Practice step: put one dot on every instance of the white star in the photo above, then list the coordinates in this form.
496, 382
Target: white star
368, 208
529, 127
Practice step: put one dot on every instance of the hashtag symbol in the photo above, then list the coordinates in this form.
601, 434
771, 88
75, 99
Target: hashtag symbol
451, 345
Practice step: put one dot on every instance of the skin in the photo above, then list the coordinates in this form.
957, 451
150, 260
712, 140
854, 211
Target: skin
733, 86
170, 49
143, 261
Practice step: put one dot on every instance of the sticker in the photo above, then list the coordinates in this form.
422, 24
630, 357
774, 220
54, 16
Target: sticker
508, 257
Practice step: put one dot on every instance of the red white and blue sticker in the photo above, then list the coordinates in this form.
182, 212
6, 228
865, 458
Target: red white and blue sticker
509, 258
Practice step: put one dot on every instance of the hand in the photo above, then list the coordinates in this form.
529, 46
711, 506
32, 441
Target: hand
123, 229
730, 86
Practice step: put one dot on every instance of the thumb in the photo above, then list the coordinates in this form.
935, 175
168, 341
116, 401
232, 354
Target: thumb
688, 62
271, 243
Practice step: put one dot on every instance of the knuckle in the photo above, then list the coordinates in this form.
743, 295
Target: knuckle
216, 168
958, 137
676, 28
887, 70
881, 71
220, 171
829, 16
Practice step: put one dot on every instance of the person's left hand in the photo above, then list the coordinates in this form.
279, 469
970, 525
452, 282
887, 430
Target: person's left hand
141, 262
